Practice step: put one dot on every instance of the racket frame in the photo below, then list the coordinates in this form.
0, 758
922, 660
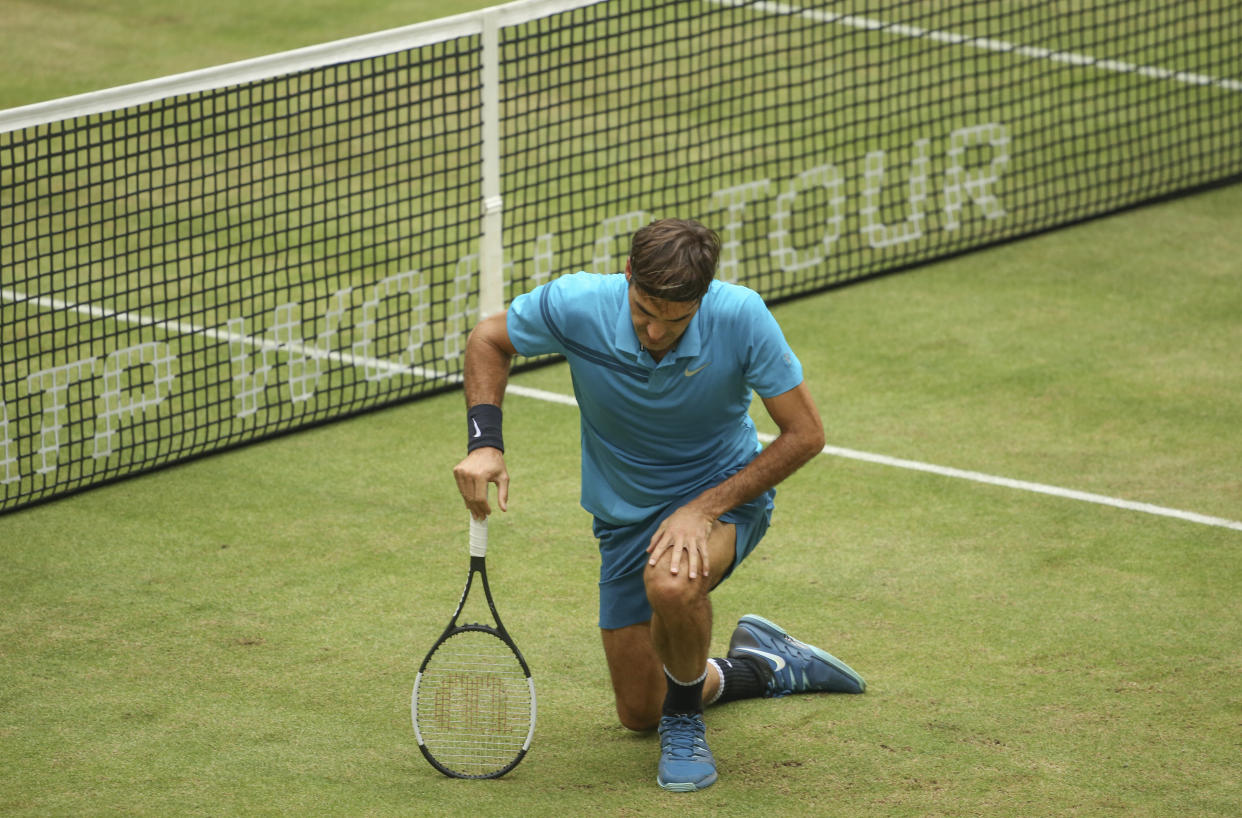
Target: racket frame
478, 566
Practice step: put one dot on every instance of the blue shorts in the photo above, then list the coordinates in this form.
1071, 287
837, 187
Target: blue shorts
623, 557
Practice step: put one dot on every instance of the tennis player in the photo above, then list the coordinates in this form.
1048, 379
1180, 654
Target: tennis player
664, 359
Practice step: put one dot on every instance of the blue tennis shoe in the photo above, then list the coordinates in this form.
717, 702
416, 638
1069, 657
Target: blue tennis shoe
686, 764
794, 667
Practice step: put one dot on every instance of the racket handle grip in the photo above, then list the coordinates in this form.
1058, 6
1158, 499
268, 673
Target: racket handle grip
478, 537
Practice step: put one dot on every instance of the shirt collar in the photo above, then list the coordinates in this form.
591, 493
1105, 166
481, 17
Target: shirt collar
626, 341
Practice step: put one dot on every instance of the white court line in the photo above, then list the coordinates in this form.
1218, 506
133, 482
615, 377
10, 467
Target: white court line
986, 44
961, 474
1023, 485
568, 400
184, 328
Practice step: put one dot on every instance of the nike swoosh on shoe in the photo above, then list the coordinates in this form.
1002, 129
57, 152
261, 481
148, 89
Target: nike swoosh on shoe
771, 657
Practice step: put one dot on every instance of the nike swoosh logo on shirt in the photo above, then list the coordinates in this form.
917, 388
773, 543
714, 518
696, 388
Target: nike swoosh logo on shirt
771, 657
477, 431
689, 373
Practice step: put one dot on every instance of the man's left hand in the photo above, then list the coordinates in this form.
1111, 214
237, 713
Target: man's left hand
685, 533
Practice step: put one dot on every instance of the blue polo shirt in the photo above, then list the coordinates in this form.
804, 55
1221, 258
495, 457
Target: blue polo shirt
653, 432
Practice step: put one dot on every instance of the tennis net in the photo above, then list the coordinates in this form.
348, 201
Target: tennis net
209, 259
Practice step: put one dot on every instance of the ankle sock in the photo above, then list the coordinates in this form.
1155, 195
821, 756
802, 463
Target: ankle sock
744, 677
683, 697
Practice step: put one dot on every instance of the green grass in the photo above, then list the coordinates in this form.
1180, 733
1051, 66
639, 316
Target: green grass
57, 48
239, 635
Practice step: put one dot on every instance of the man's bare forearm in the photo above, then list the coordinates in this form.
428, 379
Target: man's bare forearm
785, 455
801, 438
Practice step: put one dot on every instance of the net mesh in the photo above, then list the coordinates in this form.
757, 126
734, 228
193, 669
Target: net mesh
196, 272
213, 268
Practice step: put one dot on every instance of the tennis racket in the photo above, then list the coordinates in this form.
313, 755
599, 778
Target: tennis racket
473, 704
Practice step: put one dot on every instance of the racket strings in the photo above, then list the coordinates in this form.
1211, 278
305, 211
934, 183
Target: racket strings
474, 704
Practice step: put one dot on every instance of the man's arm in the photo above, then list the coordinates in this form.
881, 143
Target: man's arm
801, 437
489, 353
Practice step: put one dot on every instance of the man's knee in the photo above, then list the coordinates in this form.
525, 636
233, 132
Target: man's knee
640, 698
639, 719
637, 676
668, 591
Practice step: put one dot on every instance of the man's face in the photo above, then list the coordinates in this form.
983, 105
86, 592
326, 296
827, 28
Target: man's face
658, 323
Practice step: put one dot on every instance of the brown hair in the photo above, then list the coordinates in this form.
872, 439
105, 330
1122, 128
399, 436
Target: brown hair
674, 259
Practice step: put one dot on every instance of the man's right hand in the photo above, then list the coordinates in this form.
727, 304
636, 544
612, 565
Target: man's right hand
473, 474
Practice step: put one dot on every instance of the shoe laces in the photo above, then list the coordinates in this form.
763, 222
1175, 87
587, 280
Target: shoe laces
683, 735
